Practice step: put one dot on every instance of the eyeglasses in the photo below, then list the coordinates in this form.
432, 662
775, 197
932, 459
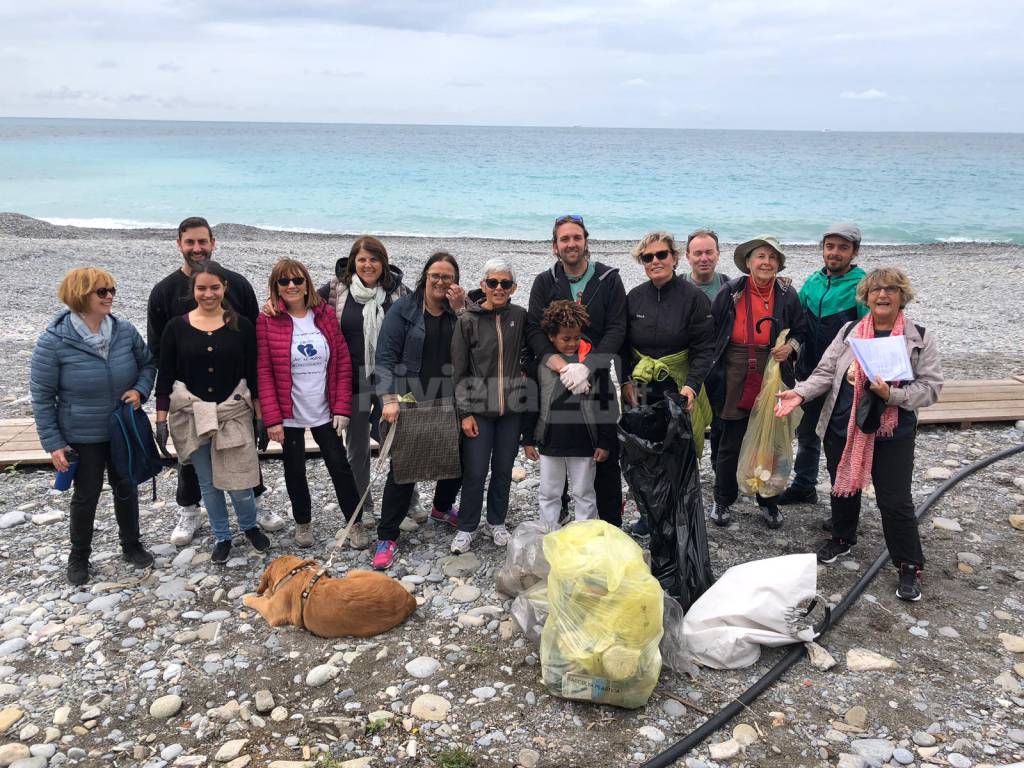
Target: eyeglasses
284, 281
647, 258
573, 217
440, 278
493, 282
104, 292
885, 289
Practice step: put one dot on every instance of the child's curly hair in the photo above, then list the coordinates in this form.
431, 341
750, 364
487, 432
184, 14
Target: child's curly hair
564, 313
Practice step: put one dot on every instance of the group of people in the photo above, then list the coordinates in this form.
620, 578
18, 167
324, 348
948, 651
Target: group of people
230, 374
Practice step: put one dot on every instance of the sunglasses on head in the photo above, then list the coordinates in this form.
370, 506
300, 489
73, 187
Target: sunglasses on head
493, 282
283, 281
573, 217
104, 292
647, 258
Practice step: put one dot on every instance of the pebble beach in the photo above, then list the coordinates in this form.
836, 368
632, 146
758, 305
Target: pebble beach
167, 667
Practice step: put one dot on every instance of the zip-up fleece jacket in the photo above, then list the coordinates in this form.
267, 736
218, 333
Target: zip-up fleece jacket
486, 349
911, 396
829, 303
74, 390
605, 300
274, 363
664, 321
786, 310
400, 347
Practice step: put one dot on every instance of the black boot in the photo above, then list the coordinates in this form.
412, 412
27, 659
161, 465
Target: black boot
78, 567
136, 554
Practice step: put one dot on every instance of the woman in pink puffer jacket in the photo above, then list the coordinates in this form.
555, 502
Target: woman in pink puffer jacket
305, 382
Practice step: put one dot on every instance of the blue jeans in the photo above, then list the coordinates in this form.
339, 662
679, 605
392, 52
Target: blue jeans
808, 445
496, 446
244, 502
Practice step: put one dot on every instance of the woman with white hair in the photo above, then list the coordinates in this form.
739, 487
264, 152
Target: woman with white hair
489, 395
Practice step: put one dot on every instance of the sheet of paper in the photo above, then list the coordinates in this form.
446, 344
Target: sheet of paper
886, 357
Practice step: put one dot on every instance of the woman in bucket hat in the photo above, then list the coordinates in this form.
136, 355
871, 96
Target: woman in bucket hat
749, 312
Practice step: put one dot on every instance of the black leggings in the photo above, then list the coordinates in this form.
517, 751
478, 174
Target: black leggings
332, 450
93, 460
892, 470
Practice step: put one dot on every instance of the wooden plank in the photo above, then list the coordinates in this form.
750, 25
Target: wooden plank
982, 396
1019, 378
961, 408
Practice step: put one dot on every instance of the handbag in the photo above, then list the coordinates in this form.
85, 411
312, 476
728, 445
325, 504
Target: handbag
426, 445
752, 383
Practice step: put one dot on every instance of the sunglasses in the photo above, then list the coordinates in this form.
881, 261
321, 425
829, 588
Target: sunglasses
284, 281
647, 258
493, 282
569, 217
104, 292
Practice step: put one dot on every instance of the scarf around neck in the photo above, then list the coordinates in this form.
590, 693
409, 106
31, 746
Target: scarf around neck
854, 471
100, 341
372, 300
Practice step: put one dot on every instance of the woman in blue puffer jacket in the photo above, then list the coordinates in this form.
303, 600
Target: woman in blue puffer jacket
85, 364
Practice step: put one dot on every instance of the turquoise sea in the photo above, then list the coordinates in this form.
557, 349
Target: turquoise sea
510, 182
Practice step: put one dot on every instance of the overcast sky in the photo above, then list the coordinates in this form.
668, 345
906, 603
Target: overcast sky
908, 65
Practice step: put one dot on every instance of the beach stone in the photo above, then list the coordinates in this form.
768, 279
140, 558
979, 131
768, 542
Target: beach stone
744, 734
1008, 682
431, 707
875, 751
903, 756
230, 750
863, 660
239, 762
264, 700
1016, 735
47, 518
946, 524
518, 475
467, 593
857, 717
279, 714
422, 666
1012, 643
321, 674
13, 751
725, 750
846, 760
11, 519
105, 602
165, 706
460, 565
949, 632
820, 658
484, 692
673, 708
923, 739
13, 646
957, 760
1019, 669
969, 558
937, 473
652, 733
528, 758
30, 762
9, 717
1017, 521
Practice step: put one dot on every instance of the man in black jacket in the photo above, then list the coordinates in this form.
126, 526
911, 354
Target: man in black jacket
170, 298
575, 276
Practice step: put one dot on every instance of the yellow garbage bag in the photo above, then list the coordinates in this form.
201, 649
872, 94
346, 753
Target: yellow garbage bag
600, 640
766, 453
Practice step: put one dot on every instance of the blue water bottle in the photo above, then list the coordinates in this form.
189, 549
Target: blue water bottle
63, 480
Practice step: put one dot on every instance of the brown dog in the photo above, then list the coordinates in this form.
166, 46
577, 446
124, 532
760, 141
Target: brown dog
363, 603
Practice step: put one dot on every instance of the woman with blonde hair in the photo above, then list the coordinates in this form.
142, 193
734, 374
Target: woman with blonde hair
86, 363
869, 426
305, 382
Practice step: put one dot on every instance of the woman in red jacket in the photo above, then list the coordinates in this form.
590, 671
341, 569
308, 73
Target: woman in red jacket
305, 376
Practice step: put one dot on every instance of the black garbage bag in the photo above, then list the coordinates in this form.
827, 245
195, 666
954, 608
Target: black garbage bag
660, 464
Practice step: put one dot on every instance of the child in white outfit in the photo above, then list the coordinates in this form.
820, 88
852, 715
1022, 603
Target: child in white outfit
564, 434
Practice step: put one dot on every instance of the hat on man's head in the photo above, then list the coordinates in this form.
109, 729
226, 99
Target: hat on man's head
844, 229
743, 250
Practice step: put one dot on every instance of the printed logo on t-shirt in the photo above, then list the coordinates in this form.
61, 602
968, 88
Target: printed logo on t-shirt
306, 350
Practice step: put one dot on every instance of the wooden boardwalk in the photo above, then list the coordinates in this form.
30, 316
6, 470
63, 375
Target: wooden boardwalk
961, 402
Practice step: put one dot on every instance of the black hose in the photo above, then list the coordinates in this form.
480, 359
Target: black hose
797, 650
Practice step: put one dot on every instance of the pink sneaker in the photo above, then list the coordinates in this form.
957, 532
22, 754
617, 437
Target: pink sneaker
450, 516
384, 556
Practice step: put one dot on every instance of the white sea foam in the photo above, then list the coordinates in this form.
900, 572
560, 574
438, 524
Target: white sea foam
297, 230
108, 223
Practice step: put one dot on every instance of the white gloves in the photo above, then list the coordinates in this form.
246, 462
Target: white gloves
340, 424
575, 377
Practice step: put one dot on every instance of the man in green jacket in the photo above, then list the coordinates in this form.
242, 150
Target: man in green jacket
828, 300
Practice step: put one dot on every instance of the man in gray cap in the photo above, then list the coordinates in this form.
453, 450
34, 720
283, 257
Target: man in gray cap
828, 299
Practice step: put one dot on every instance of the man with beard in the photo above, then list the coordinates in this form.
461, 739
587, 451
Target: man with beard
170, 298
598, 287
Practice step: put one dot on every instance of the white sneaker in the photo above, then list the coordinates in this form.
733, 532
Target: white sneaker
189, 520
269, 520
500, 534
462, 542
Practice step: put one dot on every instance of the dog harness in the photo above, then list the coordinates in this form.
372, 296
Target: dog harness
306, 565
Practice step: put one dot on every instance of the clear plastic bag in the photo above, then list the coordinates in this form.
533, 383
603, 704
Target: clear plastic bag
525, 564
675, 652
530, 611
766, 454
600, 641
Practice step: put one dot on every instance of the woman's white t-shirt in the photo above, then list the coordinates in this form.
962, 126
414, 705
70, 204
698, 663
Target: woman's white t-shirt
310, 356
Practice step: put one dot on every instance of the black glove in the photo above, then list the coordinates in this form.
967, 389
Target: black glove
161, 439
262, 438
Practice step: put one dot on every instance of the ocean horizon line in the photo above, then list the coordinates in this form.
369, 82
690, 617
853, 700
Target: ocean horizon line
523, 126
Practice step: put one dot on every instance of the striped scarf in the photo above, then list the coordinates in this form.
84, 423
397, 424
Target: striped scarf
854, 470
